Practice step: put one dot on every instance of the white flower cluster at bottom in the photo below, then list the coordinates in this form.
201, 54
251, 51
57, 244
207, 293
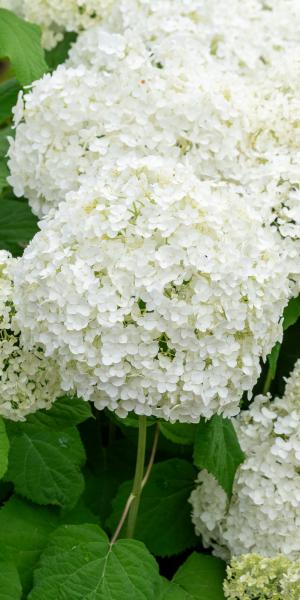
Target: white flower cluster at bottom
28, 380
259, 578
263, 515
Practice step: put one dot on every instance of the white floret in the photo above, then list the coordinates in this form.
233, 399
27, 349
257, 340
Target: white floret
155, 292
264, 512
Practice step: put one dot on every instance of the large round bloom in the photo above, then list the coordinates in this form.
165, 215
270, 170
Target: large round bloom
155, 292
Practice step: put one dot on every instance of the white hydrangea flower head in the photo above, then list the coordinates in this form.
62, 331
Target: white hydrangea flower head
155, 292
28, 380
263, 514
226, 28
136, 96
153, 101
254, 576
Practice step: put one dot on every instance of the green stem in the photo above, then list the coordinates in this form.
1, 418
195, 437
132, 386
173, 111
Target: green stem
268, 381
138, 478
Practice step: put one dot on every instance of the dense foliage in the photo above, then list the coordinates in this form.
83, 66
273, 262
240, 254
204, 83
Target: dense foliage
149, 300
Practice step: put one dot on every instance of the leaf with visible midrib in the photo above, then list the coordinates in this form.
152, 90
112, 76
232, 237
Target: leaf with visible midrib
218, 451
44, 464
20, 41
80, 564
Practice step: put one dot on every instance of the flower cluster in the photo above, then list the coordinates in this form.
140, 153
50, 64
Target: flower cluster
253, 576
263, 513
156, 292
137, 100
28, 381
163, 154
232, 119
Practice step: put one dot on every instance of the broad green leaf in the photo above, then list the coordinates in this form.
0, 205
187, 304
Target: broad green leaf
65, 412
9, 91
59, 54
202, 577
217, 450
291, 313
24, 531
17, 225
164, 520
4, 447
179, 433
20, 41
44, 464
79, 514
10, 584
172, 591
79, 564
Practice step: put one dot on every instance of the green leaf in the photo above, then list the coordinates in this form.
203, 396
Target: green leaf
65, 412
24, 531
3, 174
218, 451
179, 433
4, 447
44, 464
9, 91
202, 577
289, 354
10, 584
272, 361
79, 563
20, 41
291, 313
17, 225
115, 465
172, 591
79, 514
59, 54
164, 520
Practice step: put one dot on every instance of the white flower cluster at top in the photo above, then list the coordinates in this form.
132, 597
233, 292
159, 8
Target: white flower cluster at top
263, 514
228, 108
156, 291
28, 381
164, 153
